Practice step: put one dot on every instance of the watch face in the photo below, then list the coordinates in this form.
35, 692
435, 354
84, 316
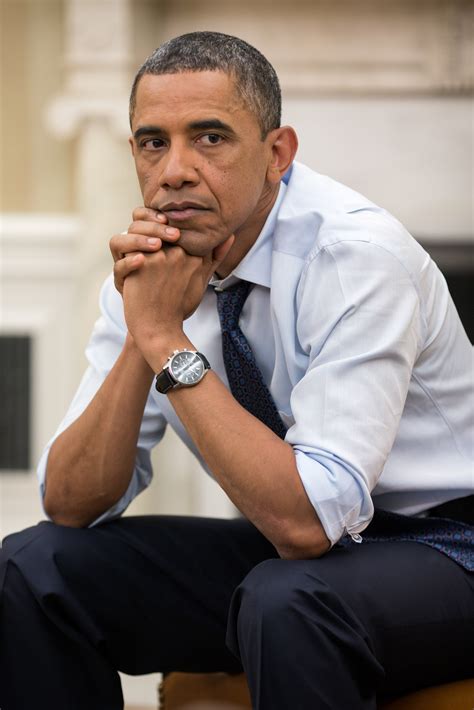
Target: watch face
187, 368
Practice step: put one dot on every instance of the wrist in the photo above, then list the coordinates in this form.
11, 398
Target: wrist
157, 348
132, 352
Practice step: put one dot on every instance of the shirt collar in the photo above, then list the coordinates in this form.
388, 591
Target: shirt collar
257, 263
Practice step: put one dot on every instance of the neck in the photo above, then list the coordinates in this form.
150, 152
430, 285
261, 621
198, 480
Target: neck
248, 233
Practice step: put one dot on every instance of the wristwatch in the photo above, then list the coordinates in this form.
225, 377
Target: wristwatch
184, 368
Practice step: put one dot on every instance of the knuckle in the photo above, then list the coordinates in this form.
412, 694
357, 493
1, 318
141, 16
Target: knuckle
115, 248
139, 227
155, 257
178, 252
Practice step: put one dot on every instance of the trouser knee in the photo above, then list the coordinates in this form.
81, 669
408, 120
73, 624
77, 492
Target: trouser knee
283, 601
265, 595
287, 617
15, 547
266, 604
280, 592
40, 556
25, 576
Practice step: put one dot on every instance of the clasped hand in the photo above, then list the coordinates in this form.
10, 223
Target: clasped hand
160, 283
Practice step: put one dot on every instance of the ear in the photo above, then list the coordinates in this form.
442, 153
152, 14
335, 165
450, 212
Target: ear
132, 145
283, 144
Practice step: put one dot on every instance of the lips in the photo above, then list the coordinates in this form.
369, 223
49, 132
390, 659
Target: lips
188, 213
180, 211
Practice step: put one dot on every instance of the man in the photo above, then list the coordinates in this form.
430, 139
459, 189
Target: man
338, 379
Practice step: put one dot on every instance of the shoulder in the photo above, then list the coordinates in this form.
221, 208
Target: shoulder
320, 216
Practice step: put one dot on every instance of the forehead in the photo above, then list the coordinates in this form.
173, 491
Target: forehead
189, 96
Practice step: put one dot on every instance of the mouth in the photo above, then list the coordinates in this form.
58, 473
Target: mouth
181, 211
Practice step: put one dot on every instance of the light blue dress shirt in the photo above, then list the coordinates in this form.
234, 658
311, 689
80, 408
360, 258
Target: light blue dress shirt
359, 342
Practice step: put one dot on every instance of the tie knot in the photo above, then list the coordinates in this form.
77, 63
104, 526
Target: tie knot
230, 303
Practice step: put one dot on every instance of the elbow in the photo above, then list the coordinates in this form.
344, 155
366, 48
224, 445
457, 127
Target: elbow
70, 505
303, 552
297, 544
63, 508
69, 522
58, 508
61, 515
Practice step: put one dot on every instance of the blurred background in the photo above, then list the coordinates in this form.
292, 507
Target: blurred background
380, 94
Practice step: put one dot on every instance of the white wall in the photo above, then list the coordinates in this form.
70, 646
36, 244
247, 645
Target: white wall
411, 155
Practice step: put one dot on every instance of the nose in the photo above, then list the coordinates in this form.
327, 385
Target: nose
179, 167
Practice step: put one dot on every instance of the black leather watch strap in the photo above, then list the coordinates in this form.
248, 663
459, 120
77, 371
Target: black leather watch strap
164, 382
205, 361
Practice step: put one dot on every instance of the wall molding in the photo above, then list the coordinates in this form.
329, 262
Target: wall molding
67, 113
38, 246
366, 47
98, 64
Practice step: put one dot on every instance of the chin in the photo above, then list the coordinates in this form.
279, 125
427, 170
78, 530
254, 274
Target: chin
199, 241
196, 243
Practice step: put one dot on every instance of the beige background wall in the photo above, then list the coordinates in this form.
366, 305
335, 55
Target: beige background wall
379, 92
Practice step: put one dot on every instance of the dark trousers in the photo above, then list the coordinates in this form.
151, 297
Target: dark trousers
165, 593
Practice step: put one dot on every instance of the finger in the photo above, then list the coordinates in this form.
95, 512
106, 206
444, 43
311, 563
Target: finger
125, 243
148, 215
124, 267
155, 229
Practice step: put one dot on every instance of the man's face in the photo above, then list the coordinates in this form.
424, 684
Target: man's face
200, 158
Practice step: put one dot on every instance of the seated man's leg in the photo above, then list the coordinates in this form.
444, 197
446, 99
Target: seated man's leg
137, 594
371, 620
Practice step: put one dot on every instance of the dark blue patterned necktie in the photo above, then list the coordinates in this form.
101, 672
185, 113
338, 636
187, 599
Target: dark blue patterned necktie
453, 538
245, 379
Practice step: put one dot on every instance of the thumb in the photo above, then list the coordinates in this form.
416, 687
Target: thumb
221, 251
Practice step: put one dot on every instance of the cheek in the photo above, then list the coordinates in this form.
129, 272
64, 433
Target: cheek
242, 188
147, 173
147, 182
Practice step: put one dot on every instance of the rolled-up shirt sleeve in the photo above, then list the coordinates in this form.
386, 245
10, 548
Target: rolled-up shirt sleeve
359, 323
103, 349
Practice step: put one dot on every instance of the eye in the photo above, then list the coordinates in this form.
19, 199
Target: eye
211, 139
152, 144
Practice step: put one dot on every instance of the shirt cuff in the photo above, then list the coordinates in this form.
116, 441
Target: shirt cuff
340, 498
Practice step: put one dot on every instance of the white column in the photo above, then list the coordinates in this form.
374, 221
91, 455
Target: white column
92, 110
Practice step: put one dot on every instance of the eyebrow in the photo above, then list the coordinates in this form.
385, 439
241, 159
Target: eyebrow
147, 131
206, 124
211, 123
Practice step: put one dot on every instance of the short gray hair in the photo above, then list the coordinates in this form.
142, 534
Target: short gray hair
255, 78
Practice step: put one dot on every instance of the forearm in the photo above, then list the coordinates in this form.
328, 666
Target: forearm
91, 463
252, 464
255, 467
